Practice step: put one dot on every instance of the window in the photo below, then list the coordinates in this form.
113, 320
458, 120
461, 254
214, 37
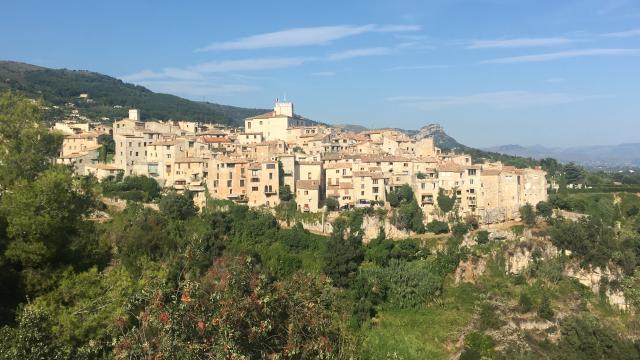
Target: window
375, 189
228, 183
241, 182
375, 181
309, 176
472, 172
306, 192
254, 188
271, 166
362, 193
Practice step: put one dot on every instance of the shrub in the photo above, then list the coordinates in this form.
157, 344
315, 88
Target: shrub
459, 230
528, 215
524, 303
482, 237
488, 317
438, 227
544, 310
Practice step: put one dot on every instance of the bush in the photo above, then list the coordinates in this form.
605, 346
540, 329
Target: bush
478, 346
544, 310
482, 237
488, 317
524, 303
459, 230
528, 215
438, 227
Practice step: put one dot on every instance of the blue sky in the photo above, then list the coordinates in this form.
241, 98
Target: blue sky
557, 73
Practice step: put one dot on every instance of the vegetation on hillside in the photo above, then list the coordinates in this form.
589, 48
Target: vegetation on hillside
109, 97
229, 281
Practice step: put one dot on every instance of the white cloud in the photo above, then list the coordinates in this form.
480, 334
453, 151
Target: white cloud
353, 53
623, 34
515, 43
195, 89
248, 64
564, 55
498, 100
320, 35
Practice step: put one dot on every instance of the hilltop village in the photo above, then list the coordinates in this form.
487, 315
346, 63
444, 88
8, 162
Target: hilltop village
280, 151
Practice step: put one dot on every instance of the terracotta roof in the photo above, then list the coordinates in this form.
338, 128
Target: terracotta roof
191, 160
308, 184
345, 185
214, 140
450, 167
310, 162
491, 172
104, 167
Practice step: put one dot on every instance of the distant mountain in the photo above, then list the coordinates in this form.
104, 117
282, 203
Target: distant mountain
441, 138
597, 156
109, 97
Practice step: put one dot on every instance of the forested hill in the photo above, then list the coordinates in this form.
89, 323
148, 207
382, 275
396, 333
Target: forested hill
61, 86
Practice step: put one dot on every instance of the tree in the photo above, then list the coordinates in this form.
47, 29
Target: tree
285, 193
344, 250
331, 203
528, 215
545, 210
398, 196
573, 174
26, 145
446, 203
409, 217
46, 226
177, 206
32, 339
108, 147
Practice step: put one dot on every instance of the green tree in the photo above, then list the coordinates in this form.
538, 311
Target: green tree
46, 226
177, 206
332, 203
26, 145
446, 203
544, 210
344, 250
528, 215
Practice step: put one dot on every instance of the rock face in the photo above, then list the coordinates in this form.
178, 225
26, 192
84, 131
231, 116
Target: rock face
592, 278
371, 226
471, 270
520, 256
441, 139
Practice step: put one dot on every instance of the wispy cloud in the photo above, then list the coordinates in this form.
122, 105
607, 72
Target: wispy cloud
196, 89
228, 66
516, 43
323, 73
249, 64
498, 100
563, 55
417, 67
353, 53
623, 34
320, 35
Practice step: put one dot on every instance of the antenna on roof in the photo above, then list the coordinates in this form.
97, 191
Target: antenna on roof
285, 96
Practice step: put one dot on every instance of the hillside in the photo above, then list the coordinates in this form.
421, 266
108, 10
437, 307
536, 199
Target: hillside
108, 96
